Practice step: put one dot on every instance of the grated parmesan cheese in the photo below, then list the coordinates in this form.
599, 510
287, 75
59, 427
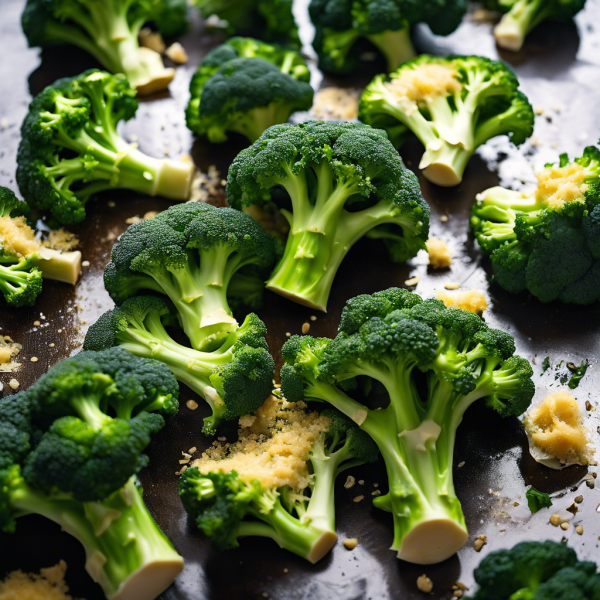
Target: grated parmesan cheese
440, 256
424, 82
472, 300
336, 104
559, 185
48, 585
16, 237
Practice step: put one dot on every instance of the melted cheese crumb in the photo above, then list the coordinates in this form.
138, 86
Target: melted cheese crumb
48, 585
336, 104
440, 256
16, 237
8, 351
61, 239
556, 427
559, 185
425, 82
273, 449
472, 300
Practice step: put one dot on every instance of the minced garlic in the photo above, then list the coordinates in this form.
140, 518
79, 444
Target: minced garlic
16, 237
559, 185
472, 300
440, 256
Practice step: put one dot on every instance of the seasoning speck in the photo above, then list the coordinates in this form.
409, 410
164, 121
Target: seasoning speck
34, 359
36, 323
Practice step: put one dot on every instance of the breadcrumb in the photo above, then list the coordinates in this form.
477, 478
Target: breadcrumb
206, 185
440, 256
336, 104
472, 300
48, 585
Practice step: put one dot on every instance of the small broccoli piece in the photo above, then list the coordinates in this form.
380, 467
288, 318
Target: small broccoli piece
70, 450
190, 253
334, 183
108, 30
537, 500
521, 16
24, 261
234, 378
245, 86
345, 29
390, 337
270, 20
220, 498
546, 241
453, 105
536, 571
71, 149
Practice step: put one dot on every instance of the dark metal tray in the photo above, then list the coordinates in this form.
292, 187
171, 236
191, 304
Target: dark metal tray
559, 69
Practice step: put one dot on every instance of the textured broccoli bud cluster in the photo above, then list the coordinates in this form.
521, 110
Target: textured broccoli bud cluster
546, 242
245, 86
70, 148
347, 29
70, 449
108, 30
334, 183
392, 337
453, 105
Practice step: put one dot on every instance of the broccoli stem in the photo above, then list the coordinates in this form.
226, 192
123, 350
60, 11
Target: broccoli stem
253, 123
126, 552
396, 46
59, 266
15, 277
337, 45
514, 26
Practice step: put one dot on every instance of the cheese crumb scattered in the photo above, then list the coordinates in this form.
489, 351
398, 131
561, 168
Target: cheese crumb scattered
472, 300
350, 543
564, 525
206, 185
14, 384
192, 404
451, 285
425, 82
48, 585
152, 39
412, 282
480, 542
34, 359
177, 53
16, 237
305, 328
555, 520
336, 104
247, 421
350, 482
8, 351
440, 256
62, 240
359, 498
313, 318
424, 584
556, 427
559, 185
579, 529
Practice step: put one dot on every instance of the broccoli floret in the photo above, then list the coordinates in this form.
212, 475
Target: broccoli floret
346, 29
334, 182
71, 149
521, 16
24, 261
391, 337
190, 253
108, 30
66, 454
245, 86
270, 20
546, 241
536, 571
234, 378
220, 500
453, 105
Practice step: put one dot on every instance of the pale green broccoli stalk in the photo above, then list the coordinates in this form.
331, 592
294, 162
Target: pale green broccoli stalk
546, 241
521, 16
70, 448
24, 261
334, 183
347, 29
453, 105
71, 149
108, 30
392, 337
227, 506
234, 377
245, 86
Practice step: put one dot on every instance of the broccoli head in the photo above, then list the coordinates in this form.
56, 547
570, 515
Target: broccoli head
296, 508
270, 20
393, 337
108, 30
334, 183
23, 258
70, 449
536, 571
521, 16
453, 105
190, 253
234, 378
71, 149
245, 86
346, 29
546, 241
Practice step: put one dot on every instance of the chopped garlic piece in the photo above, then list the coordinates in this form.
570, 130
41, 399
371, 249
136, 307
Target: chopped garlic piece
440, 256
350, 543
559, 185
472, 300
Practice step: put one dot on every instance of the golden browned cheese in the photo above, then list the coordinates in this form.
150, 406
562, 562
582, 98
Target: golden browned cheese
472, 300
16, 237
48, 585
559, 185
440, 256
8, 352
425, 82
273, 449
556, 427
61, 239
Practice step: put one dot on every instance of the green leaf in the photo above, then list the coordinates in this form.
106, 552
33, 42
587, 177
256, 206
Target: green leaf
578, 375
537, 500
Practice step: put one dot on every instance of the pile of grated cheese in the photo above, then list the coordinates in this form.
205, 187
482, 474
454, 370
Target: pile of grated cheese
272, 448
8, 351
559, 185
48, 585
336, 104
440, 256
472, 300
425, 82
62, 240
16, 237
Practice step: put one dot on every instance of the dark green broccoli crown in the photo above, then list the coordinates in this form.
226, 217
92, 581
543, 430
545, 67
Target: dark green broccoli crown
10, 205
580, 582
20, 282
345, 431
217, 502
166, 243
15, 429
252, 332
170, 17
10, 479
523, 567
